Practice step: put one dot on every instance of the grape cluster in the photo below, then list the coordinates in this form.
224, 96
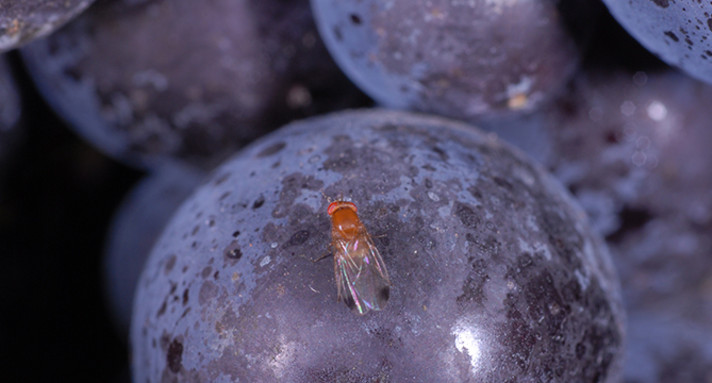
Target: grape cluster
533, 178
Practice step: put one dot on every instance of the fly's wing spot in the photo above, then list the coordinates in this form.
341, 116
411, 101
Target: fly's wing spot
384, 293
349, 301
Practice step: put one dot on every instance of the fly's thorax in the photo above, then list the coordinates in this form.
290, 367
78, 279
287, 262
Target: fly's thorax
345, 224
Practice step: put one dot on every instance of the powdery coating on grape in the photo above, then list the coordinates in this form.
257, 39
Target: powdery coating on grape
24, 20
496, 275
463, 59
634, 149
679, 32
156, 80
135, 228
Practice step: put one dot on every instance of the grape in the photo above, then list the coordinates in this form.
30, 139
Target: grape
496, 275
136, 225
25, 20
156, 81
663, 347
677, 31
10, 105
461, 59
634, 149
10, 110
632, 146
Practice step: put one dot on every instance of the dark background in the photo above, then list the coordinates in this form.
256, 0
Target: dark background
57, 196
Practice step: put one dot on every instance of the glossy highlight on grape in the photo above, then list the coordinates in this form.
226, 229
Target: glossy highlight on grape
361, 276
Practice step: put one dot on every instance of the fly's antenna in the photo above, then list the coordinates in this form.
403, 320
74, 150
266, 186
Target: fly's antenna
339, 198
326, 197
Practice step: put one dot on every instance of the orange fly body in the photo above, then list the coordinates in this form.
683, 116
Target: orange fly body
361, 277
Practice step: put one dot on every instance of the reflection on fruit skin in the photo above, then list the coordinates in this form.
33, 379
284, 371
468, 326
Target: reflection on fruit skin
495, 273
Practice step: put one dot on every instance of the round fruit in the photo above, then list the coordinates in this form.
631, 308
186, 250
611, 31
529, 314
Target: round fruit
24, 20
496, 276
192, 80
135, 228
10, 110
679, 32
634, 149
663, 347
464, 59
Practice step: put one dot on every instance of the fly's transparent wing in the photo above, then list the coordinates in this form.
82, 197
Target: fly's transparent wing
361, 275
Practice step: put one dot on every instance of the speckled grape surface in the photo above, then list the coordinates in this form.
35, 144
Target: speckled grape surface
496, 274
153, 81
679, 32
24, 20
463, 59
635, 150
135, 228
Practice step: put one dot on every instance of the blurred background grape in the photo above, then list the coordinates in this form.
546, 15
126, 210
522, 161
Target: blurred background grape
10, 110
679, 32
464, 59
22, 21
136, 225
155, 81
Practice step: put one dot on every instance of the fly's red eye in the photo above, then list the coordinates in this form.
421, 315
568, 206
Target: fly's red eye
332, 207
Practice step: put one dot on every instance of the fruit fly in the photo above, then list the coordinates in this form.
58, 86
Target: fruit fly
361, 276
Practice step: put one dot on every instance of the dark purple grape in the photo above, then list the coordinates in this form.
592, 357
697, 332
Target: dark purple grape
663, 347
136, 226
10, 110
24, 20
464, 59
679, 32
635, 150
151, 81
496, 275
